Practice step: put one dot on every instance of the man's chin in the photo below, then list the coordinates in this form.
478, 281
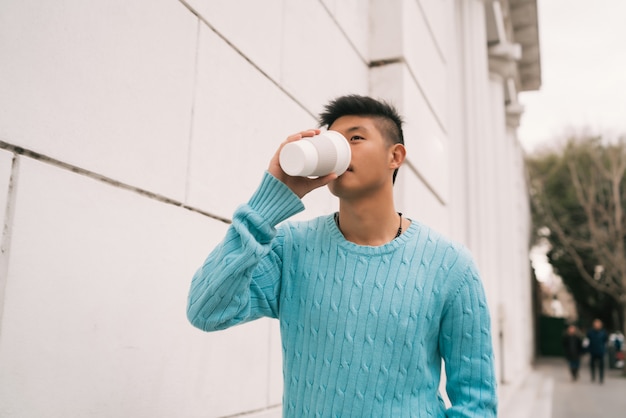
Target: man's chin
335, 186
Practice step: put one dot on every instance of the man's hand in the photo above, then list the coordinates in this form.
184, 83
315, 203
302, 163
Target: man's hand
299, 185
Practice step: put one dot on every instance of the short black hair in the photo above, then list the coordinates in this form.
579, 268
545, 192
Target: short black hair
386, 117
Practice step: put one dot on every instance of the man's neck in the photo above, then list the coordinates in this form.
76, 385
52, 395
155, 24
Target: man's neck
369, 222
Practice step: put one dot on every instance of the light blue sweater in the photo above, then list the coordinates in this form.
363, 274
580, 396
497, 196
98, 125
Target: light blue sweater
364, 329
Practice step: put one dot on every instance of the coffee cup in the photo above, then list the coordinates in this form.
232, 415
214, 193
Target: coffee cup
328, 152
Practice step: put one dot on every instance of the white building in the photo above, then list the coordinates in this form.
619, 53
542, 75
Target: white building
130, 130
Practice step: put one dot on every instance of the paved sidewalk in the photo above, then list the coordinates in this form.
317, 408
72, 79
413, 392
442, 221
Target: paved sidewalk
583, 398
549, 392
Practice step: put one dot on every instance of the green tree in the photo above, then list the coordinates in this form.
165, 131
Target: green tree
578, 196
590, 302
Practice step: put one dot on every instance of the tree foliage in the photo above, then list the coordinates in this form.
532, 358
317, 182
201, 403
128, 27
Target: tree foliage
578, 196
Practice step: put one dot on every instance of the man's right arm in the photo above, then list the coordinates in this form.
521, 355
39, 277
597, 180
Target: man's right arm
239, 280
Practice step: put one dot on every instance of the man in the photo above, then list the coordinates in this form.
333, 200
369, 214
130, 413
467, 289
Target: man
369, 302
598, 338
573, 348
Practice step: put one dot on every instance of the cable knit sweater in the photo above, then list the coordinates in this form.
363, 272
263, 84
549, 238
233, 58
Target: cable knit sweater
364, 329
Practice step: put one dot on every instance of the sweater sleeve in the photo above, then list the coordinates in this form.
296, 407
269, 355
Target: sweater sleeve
240, 279
466, 346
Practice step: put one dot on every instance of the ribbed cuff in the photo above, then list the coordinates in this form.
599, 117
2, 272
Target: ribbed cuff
274, 201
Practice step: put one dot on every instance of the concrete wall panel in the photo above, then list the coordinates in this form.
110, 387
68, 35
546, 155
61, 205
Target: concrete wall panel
254, 28
353, 17
387, 34
109, 80
425, 141
94, 321
438, 14
401, 33
319, 63
417, 202
421, 47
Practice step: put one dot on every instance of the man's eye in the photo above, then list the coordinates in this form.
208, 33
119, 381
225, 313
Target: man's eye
356, 138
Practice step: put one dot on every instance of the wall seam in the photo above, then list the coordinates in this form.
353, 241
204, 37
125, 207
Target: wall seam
270, 408
7, 229
431, 32
245, 57
108, 180
343, 32
192, 112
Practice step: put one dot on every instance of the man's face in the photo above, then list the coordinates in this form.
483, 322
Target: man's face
370, 167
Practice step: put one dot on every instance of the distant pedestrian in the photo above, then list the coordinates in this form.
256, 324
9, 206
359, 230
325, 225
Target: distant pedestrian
573, 348
598, 339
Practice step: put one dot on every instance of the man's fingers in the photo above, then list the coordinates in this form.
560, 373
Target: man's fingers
303, 134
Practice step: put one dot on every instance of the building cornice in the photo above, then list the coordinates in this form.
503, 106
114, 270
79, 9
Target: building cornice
525, 26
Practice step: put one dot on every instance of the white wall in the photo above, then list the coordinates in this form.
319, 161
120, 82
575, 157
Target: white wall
137, 128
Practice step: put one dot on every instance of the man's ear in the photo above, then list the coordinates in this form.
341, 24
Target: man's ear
398, 154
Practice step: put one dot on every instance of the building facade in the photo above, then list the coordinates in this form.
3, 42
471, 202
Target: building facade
130, 131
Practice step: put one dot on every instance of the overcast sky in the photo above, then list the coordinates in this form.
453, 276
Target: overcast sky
583, 65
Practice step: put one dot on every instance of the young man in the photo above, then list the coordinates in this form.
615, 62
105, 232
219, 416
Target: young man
598, 338
572, 343
369, 302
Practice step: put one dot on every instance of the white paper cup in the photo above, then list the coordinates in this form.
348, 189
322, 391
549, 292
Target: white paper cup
328, 152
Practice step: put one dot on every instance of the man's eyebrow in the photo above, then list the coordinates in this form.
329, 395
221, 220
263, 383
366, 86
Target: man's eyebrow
356, 128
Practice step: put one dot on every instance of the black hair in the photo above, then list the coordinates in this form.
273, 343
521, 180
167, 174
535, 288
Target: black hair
385, 116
